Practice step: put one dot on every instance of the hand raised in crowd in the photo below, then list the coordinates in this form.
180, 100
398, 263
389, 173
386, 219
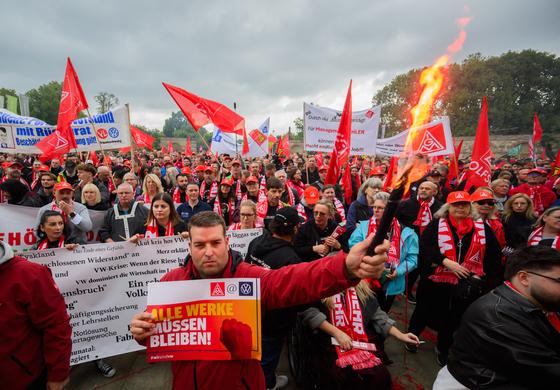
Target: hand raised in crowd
344, 341
332, 243
358, 265
456, 268
142, 326
66, 208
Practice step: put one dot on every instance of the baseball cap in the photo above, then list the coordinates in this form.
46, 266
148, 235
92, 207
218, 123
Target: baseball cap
228, 181
63, 186
236, 162
311, 195
43, 168
10, 164
539, 171
186, 170
481, 194
288, 216
252, 179
458, 197
323, 168
208, 169
199, 168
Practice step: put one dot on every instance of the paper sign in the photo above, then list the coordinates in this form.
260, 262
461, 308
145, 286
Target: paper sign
207, 319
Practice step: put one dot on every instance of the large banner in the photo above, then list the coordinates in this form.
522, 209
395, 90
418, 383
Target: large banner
320, 125
257, 138
432, 139
209, 319
104, 285
20, 134
20, 231
258, 144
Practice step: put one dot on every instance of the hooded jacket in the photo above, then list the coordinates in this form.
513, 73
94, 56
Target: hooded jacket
35, 332
289, 286
358, 211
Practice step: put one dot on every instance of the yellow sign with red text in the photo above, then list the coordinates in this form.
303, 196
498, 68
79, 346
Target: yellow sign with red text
207, 319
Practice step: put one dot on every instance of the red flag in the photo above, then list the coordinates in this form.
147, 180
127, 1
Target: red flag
454, 166
390, 173
141, 139
347, 184
341, 151
188, 148
319, 159
245, 143
72, 101
170, 148
284, 146
125, 150
163, 149
271, 141
556, 164
200, 111
93, 158
480, 172
537, 136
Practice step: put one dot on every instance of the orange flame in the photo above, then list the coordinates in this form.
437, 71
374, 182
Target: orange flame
431, 80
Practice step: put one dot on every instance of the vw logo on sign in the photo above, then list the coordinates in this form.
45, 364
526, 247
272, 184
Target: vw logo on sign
246, 288
113, 132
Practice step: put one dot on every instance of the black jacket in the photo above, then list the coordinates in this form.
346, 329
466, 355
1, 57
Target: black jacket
517, 229
505, 342
271, 252
309, 235
407, 212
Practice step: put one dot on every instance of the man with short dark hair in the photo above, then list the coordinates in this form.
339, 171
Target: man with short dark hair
266, 208
86, 175
193, 205
210, 257
179, 193
45, 193
510, 338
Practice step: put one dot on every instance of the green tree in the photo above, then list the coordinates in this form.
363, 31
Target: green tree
6, 92
297, 134
44, 101
105, 101
178, 126
516, 84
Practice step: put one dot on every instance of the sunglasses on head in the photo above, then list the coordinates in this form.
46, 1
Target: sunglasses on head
486, 202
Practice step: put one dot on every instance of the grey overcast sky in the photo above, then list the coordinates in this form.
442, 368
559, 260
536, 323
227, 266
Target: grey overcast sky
268, 56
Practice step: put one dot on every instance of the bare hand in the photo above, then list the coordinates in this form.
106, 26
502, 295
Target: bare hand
409, 338
456, 268
66, 208
321, 249
185, 235
70, 247
332, 242
344, 341
134, 239
361, 266
58, 385
392, 275
142, 326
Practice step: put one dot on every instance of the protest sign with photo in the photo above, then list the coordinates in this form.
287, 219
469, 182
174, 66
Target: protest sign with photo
206, 319
320, 125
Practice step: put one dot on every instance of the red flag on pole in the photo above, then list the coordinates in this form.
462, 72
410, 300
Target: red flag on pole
200, 111
93, 157
163, 149
347, 184
319, 159
537, 136
556, 164
72, 101
390, 173
479, 172
245, 143
170, 148
284, 146
271, 141
188, 148
141, 139
341, 151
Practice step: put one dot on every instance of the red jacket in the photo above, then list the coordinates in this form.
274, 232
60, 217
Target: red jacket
287, 286
35, 331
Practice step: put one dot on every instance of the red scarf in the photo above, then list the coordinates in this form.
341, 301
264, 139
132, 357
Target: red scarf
152, 229
238, 193
475, 254
340, 210
147, 198
347, 316
34, 180
291, 198
298, 186
535, 195
262, 210
45, 243
424, 216
213, 190
54, 207
218, 208
537, 235
262, 188
496, 225
177, 195
301, 211
394, 253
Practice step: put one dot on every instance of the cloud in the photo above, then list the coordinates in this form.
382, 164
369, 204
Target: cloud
267, 56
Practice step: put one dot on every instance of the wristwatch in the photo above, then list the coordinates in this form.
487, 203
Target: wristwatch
72, 215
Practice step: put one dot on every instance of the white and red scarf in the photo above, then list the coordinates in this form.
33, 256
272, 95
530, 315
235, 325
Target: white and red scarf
177, 195
348, 317
291, 198
152, 229
45, 243
262, 210
537, 235
262, 188
54, 207
218, 208
394, 254
535, 195
424, 216
34, 180
213, 190
340, 210
473, 258
298, 186
238, 193
300, 208
146, 198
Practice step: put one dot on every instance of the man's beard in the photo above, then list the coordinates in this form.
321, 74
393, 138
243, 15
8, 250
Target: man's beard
548, 301
182, 187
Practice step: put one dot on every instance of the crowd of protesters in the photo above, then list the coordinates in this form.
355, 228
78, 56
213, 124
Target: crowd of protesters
481, 265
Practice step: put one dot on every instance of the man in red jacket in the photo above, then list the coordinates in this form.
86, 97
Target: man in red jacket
541, 196
35, 333
297, 284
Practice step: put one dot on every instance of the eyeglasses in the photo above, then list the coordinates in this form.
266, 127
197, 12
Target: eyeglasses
557, 280
485, 202
247, 215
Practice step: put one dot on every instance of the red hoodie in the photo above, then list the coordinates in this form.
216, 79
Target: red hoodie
35, 332
287, 286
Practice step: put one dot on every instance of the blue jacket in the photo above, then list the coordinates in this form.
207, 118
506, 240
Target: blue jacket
358, 211
409, 255
186, 211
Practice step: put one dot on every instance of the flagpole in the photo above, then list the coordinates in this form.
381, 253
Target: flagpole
207, 145
132, 145
236, 152
99, 143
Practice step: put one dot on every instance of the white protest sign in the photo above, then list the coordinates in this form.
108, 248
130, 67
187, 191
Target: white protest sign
20, 134
432, 139
320, 125
20, 232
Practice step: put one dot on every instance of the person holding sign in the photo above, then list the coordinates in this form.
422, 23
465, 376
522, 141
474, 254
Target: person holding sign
211, 258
